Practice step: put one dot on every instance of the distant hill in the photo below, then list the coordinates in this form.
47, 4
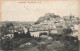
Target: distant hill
16, 22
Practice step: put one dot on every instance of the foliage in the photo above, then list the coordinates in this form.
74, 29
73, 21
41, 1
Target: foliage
28, 35
6, 27
67, 31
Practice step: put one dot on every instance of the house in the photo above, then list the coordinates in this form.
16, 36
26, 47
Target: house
54, 31
75, 34
43, 36
75, 27
9, 35
37, 33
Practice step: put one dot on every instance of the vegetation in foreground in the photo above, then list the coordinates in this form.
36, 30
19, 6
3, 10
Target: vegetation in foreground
55, 42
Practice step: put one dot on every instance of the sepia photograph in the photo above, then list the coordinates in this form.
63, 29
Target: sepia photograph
39, 26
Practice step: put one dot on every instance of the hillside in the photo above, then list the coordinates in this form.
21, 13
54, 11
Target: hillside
47, 17
15, 23
52, 21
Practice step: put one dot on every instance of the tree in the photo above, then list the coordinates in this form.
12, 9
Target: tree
4, 30
23, 35
16, 34
6, 27
9, 24
67, 31
28, 34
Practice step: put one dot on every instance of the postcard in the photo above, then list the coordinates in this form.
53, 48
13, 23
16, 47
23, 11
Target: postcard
39, 25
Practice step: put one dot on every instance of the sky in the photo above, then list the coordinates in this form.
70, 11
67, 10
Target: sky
28, 11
